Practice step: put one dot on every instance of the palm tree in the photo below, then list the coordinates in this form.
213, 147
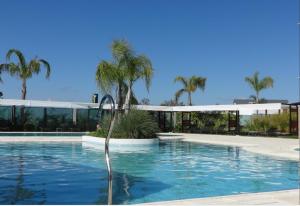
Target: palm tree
135, 67
189, 86
109, 76
122, 72
24, 70
257, 85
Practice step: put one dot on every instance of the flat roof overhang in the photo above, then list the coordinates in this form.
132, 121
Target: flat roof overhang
244, 109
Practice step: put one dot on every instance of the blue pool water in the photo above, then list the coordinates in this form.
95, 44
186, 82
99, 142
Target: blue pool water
69, 173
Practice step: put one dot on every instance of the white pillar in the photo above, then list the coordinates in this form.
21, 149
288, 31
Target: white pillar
174, 119
74, 116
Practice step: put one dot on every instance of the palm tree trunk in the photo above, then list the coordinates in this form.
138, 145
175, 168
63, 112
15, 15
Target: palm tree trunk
190, 98
128, 97
24, 89
120, 99
257, 97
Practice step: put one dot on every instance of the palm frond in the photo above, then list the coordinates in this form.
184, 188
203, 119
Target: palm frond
19, 55
178, 94
250, 81
197, 82
144, 69
106, 76
3, 67
12, 68
33, 67
47, 67
266, 82
181, 79
121, 50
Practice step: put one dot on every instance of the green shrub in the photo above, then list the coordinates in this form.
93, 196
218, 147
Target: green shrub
134, 125
211, 121
269, 123
281, 122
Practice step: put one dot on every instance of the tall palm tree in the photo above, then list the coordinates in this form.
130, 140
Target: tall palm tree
109, 76
135, 67
24, 70
122, 72
190, 85
257, 85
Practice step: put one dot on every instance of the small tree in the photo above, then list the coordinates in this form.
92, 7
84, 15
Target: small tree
258, 85
189, 86
24, 70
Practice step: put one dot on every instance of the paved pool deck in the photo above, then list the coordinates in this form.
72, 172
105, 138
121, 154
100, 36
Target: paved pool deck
278, 147
284, 197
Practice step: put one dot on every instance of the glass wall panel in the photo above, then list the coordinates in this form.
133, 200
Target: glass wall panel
82, 119
93, 119
34, 119
5, 118
59, 119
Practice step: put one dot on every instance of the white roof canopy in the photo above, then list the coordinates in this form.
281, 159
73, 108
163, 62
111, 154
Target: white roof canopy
244, 109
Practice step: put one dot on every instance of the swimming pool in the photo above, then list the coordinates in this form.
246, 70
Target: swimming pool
69, 173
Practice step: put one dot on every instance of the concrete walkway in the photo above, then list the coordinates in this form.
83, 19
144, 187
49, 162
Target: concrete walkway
285, 197
278, 147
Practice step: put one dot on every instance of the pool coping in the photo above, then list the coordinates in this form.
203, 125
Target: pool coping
281, 197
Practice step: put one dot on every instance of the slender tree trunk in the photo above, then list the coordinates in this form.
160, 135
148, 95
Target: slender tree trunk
257, 97
128, 97
190, 99
120, 98
24, 89
24, 92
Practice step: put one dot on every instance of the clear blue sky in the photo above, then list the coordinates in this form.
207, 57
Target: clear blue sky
223, 40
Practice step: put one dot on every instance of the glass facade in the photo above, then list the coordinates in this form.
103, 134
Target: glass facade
42, 119
38, 119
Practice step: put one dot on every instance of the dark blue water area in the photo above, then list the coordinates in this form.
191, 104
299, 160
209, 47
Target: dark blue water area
59, 182
72, 173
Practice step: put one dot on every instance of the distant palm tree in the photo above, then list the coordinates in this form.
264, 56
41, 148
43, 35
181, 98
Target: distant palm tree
257, 85
189, 86
122, 72
24, 70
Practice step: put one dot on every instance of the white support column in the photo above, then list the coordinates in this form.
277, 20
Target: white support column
74, 116
174, 119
